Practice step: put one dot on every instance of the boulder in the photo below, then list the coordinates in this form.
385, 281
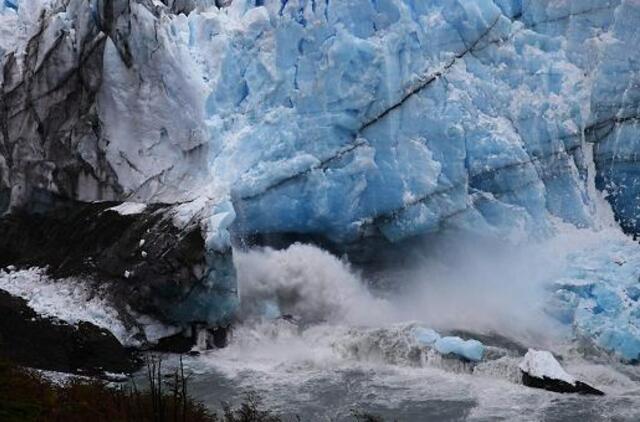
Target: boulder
30, 340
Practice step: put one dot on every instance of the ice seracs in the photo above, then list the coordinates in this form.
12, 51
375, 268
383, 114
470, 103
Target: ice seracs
598, 294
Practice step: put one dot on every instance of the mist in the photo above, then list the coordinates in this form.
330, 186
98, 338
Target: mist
485, 286
308, 283
477, 285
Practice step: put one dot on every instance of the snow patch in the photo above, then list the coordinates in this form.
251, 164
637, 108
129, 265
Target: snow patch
541, 363
128, 208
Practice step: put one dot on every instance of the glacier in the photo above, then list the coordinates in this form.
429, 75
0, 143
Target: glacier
355, 124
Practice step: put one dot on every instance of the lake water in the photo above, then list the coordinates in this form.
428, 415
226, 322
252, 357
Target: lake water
325, 373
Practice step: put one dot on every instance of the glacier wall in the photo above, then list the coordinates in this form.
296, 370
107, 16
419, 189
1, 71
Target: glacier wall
351, 122
342, 120
397, 118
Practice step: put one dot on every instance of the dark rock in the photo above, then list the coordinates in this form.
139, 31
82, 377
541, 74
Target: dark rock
45, 343
559, 386
177, 343
143, 261
220, 337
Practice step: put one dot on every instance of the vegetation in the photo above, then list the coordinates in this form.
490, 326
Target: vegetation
26, 395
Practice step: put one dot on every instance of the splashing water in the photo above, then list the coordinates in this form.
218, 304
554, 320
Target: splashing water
346, 346
306, 282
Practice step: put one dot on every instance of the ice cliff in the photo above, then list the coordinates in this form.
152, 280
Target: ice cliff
342, 119
345, 122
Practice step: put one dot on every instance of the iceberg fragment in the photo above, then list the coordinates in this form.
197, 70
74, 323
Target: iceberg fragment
541, 370
472, 350
469, 349
425, 336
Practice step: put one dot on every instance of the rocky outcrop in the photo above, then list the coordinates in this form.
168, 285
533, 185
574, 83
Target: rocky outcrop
559, 386
28, 339
139, 254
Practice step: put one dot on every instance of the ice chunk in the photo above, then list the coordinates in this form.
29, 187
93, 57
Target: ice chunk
218, 236
426, 336
540, 364
469, 349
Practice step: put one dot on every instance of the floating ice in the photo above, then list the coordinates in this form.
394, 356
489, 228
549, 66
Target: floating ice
426, 335
468, 349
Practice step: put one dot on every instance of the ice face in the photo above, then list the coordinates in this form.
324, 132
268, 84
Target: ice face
404, 117
399, 118
599, 297
354, 119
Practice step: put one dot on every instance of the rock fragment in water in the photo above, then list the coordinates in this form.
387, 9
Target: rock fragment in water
541, 370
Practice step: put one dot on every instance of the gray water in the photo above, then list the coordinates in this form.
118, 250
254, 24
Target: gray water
317, 376
415, 394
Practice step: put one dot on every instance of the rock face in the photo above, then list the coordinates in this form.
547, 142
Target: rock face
144, 260
44, 343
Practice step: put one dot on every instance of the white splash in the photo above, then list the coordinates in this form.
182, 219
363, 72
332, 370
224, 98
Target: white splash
308, 283
73, 301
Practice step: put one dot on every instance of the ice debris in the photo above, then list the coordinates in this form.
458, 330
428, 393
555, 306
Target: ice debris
472, 350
